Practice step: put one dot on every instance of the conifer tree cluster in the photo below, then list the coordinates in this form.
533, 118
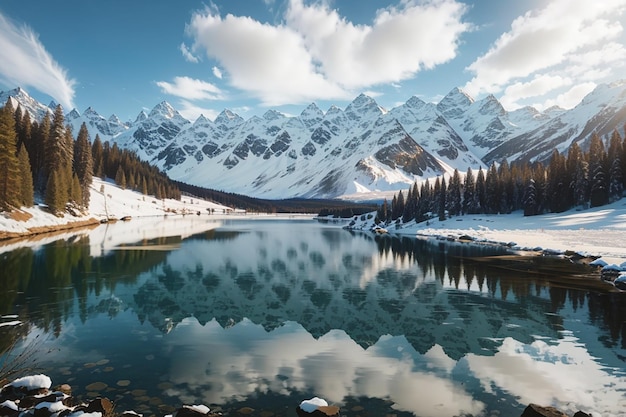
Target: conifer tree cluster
130, 172
580, 179
43, 159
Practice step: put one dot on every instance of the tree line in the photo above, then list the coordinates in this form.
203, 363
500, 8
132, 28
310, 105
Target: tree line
44, 159
578, 179
291, 205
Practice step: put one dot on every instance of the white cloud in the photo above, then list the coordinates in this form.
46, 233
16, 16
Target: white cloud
187, 54
25, 62
569, 98
571, 37
538, 86
191, 111
217, 72
191, 89
317, 54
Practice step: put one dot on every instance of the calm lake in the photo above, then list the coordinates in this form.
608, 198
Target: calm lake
264, 313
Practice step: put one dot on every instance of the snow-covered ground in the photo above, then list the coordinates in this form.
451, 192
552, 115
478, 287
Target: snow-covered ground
108, 200
600, 231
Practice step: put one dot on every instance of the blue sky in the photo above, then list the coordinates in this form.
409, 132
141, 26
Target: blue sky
123, 56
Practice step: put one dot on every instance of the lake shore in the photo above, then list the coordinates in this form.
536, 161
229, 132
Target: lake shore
598, 232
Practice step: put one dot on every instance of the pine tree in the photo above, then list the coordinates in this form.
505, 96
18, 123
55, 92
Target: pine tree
54, 197
399, 208
481, 192
18, 116
76, 193
423, 203
492, 190
616, 181
144, 189
435, 197
394, 207
507, 187
598, 195
469, 193
598, 181
37, 152
453, 199
83, 164
9, 164
557, 184
531, 207
97, 156
120, 178
382, 211
26, 178
574, 155
56, 142
409, 205
441, 210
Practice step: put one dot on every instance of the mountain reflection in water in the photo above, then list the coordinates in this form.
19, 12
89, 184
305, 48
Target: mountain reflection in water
266, 313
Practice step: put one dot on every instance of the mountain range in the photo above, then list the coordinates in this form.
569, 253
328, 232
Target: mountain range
359, 149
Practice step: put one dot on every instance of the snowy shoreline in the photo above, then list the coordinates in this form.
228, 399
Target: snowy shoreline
599, 232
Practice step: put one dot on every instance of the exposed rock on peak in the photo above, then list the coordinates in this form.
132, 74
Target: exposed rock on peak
455, 103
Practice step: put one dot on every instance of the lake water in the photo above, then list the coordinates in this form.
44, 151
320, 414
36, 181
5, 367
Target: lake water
265, 313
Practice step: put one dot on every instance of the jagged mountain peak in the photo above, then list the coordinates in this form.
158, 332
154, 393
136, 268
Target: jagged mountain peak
164, 109
491, 105
312, 112
415, 102
363, 101
334, 109
18, 93
74, 114
89, 111
273, 115
363, 107
19, 97
141, 117
114, 119
227, 117
201, 120
455, 103
311, 116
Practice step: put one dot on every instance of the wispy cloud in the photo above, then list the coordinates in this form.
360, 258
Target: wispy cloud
217, 72
570, 42
25, 62
315, 53
191, 111
187, 54
191, 89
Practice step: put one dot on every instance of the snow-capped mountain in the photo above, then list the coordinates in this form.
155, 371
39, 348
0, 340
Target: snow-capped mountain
601, 111
20, 97
361, 148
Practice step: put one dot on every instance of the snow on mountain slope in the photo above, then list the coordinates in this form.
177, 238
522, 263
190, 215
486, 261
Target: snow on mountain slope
601, 111
363, 148
96, 124
27, 103
153, 133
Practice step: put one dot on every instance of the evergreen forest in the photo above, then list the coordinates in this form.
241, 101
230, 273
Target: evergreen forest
45, 162
584, 179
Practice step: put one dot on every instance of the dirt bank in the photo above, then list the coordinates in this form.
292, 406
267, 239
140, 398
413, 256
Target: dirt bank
8, 237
